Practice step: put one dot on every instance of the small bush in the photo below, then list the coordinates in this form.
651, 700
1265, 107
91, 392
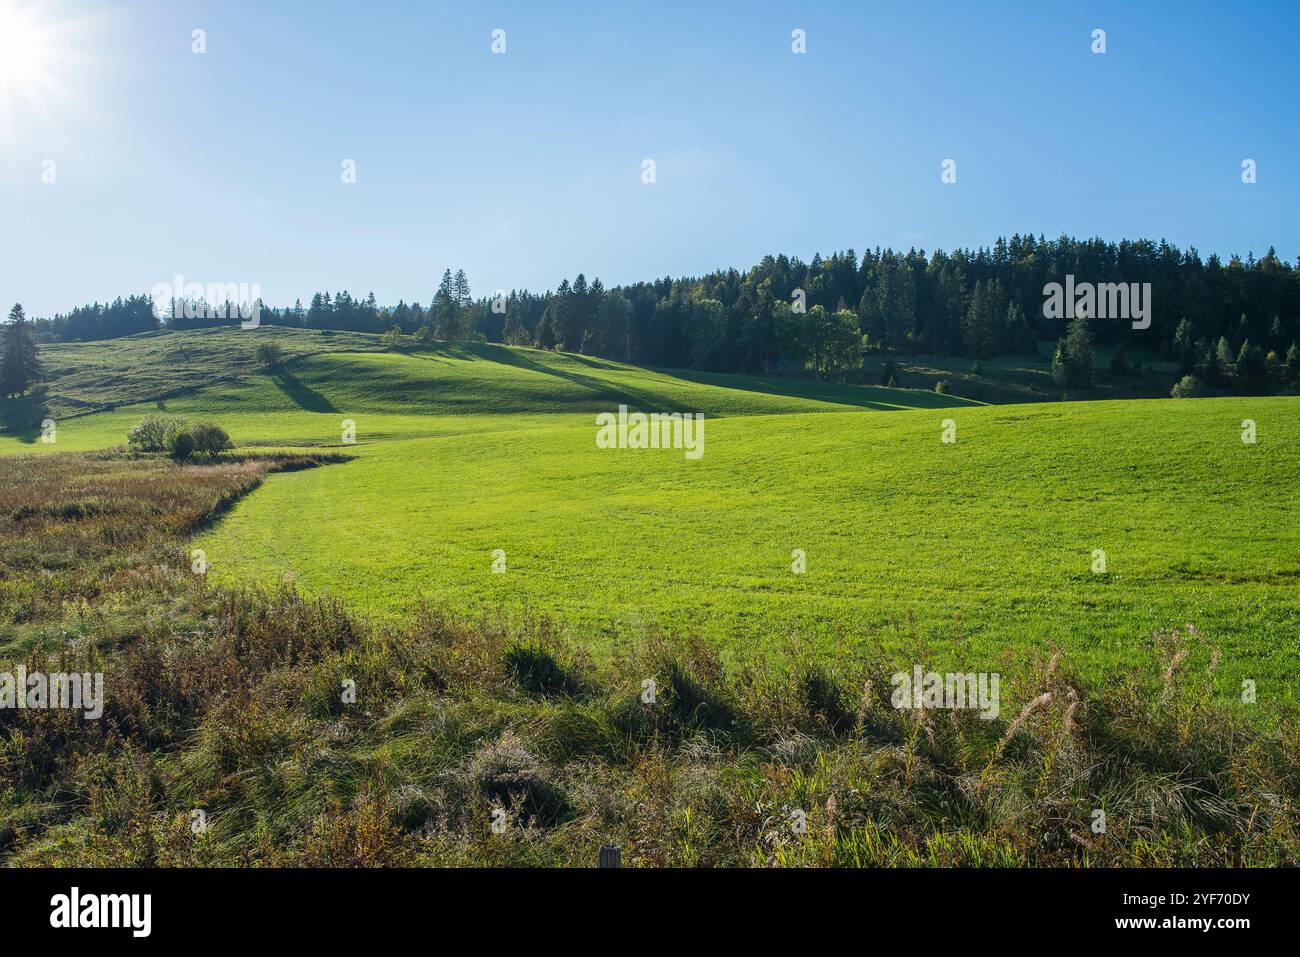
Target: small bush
153, 431
270, 354
1188, 387
180, 445
943, 387
202, 438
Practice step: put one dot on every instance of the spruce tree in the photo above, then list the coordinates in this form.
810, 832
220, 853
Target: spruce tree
1293, 363
20, 365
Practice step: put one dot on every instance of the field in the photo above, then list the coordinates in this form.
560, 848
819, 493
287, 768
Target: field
372, 561
982, 547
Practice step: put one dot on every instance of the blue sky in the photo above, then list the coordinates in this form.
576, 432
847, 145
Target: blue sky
526, 168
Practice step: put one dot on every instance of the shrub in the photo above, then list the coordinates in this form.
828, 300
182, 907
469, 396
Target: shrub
152, 432
209, 439
180, 445
943, 387
202, 438
392, 336
270, 354
1188, 387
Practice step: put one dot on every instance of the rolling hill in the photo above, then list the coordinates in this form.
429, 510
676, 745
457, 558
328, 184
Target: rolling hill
982, 549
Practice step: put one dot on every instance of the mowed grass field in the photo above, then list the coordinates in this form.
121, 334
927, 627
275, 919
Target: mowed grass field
980, 551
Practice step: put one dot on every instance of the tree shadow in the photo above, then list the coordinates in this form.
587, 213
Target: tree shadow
600, 390
880, 398
22, 417
303, 395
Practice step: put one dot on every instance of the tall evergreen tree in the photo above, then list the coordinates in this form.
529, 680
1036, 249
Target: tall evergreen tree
446, 308
20, 364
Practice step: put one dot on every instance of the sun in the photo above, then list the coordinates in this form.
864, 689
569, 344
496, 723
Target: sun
28, 47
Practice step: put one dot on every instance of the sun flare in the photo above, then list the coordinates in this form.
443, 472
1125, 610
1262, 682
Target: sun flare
25, 47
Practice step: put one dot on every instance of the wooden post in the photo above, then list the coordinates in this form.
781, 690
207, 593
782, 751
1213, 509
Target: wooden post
611, 856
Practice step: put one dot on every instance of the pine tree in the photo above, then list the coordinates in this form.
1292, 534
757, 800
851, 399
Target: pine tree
515, 334
1223, 356
1252, 369
1072, 363
1078, 346
20, 364
1185, 345
979, 333
446, 308
464, 306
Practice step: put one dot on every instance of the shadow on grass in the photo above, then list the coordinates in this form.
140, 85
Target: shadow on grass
880, 398
599, 390
303, 395
22, 417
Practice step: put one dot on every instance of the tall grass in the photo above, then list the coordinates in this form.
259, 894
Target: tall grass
498, 743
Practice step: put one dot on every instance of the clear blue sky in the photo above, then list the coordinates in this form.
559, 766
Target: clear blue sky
526, 168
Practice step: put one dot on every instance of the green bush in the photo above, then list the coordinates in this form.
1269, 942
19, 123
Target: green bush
202, 438
943, 387
152, 432
270, 354
1188, 387
180, 445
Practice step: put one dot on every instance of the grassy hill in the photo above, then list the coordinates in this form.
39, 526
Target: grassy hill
521, 690
323, 380
982, 548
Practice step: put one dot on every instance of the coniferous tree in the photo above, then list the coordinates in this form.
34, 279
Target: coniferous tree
980, 331
1223, 357
445, 308
1252, 369
1072, 364
20, 364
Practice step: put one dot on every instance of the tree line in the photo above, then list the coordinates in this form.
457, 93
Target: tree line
820, 317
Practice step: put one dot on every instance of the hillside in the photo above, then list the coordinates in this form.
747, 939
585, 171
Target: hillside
521, 687
981, 547
84, 377
328, 375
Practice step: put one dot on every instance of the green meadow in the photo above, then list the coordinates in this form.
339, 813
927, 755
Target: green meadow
981, 550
